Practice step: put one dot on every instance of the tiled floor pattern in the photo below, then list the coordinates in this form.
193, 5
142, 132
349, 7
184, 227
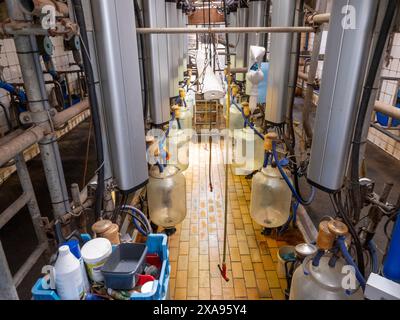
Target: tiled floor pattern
196, 249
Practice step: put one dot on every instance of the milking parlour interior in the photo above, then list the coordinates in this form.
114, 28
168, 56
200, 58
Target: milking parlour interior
204, 150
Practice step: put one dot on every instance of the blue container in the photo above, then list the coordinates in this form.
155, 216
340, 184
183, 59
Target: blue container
263, 86
391, 268
156, 244
383, 119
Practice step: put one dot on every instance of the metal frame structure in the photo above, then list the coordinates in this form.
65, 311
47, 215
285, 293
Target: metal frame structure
44, 122
8, 283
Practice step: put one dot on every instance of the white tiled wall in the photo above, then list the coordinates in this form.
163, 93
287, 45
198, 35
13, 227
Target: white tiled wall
12, 72
388, 95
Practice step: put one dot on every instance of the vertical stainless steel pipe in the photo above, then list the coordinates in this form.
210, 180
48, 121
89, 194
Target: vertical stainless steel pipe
38, 102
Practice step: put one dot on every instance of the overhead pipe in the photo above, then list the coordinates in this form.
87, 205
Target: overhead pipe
63, 117
17, 142
20, 143
21, 28
28, 57
226, 30
319, 19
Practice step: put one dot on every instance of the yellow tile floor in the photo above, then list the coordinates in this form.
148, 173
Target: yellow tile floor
196, 248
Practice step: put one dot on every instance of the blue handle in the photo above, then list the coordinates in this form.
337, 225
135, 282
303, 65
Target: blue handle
342, 245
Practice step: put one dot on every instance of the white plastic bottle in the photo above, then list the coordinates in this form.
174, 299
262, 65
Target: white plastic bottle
69, 280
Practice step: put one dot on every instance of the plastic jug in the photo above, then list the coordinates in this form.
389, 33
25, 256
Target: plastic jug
236, 120
249, 150
167, 196
178, 148
186, 118
270, 198
69, 280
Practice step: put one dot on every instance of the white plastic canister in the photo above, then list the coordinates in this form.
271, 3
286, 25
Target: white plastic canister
95, 253
69, 281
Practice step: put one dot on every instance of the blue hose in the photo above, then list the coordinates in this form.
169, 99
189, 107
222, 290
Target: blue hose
342, 245
289, 183
249, 123
267, 155
19, 93
160, 167
317, 259
139, 216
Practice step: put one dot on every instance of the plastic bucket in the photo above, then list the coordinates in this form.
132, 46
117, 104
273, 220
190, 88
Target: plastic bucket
95, 253
285, 254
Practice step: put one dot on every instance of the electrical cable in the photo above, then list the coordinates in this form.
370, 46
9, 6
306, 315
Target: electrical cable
357, 242
142, 216
95, 109
289, 183
364, 106
140, 23
87, 154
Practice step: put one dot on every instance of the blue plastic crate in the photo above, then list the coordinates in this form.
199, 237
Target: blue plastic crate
156, 244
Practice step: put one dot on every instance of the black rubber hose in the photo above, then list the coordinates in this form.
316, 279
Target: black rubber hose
94, 107
353, 232
364, 104
292, 144
140, 23
294, 81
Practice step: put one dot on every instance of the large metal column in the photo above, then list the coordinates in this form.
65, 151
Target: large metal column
345, 66
157, 65
38, 104
116, 45
257, 19
185, 41
241, 48
173, 63
233, 22
283, 13
180, 43
108, 175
